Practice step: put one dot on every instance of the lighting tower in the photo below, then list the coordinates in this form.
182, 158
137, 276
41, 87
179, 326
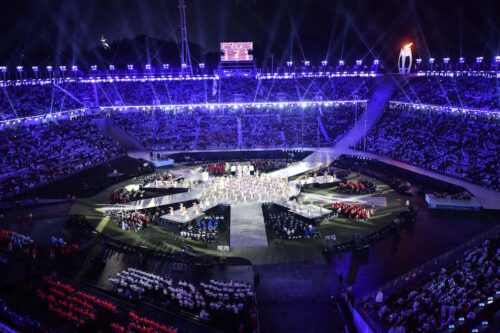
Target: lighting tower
185, 56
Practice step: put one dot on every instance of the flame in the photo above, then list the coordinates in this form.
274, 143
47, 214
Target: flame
407, 46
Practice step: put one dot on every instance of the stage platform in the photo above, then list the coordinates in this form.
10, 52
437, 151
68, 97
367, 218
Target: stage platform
178, 218
452, 204
316, 211
247, 226
365, 200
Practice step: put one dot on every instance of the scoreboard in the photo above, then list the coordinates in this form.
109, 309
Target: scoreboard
236, 51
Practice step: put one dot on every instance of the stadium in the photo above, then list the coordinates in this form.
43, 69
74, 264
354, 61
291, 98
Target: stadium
248, 166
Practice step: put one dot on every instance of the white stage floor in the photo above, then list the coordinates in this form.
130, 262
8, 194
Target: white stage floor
357, 199
316, 211
247, 226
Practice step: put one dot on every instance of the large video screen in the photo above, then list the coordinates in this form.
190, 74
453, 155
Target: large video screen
236, 51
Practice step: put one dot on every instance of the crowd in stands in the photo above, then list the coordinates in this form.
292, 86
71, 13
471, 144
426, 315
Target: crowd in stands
466, 92
286, 225
38, 99
205, 230
34, 155
209, 300
23, 323
448, 296
243, 128
463, 145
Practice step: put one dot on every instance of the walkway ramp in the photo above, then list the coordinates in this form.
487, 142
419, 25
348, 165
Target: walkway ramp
376, 105
247, 226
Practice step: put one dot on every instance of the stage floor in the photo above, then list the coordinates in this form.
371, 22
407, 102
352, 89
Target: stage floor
247, 226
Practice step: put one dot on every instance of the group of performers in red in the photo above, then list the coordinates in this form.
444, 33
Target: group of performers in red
353, 187
351, 211
217, 168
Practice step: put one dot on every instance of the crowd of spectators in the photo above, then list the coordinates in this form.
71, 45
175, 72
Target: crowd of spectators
466, 92
39, 99
38, 154
451, 295
246, 127
24, 323
463, 145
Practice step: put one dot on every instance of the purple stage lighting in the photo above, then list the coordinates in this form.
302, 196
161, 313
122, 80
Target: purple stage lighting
359, 62
183, 66
3, 69
324, 63
148, 67
479, 60
376, 62
19, 68
461, 60
497, 59
35, 68
289, 63
93, 68
202, 65
49, 68
74, 68
446, 60
62, 68
130, 67
341, 62
165, 66
307, 63
431, 60
111, 67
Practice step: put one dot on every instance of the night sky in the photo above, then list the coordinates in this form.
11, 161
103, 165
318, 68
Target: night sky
67, 32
